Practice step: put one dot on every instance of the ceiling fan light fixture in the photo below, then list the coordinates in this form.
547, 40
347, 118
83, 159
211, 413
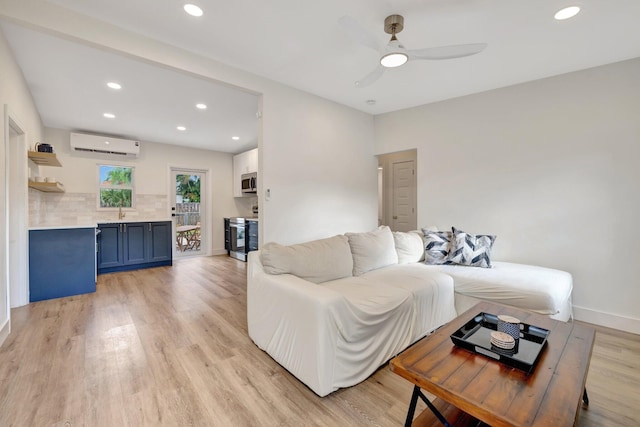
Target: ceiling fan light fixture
393, 59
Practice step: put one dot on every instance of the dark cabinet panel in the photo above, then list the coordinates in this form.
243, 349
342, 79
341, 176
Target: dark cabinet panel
227, 235
252, 236
134, 245
160, 241
135, 242
61, 263
109, 246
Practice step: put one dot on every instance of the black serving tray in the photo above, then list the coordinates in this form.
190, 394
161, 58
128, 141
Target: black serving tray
475, 336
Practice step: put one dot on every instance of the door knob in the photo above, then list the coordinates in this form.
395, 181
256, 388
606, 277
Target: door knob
395, 217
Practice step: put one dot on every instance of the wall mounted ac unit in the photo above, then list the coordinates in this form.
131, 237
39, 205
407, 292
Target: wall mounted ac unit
81, 142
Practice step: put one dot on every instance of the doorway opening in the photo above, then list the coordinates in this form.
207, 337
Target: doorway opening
189, 202
397, 190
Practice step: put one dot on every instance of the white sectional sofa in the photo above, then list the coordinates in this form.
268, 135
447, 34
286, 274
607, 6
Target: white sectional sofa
332, 311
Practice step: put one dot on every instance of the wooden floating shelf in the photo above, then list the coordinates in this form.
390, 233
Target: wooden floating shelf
44, 159
47, 187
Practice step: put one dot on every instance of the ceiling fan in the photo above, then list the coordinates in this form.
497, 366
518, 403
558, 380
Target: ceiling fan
394, 53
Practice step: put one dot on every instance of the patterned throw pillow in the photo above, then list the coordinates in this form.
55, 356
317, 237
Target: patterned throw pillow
470, 249
437, 245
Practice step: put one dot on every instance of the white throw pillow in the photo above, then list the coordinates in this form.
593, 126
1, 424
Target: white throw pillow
372, 250
317, 261
409, 246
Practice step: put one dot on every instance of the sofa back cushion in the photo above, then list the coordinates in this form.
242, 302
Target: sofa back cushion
470, 249
409, 246
372, 250
317, 261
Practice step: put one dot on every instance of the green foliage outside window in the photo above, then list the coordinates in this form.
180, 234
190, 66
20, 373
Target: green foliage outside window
116, 186
188, 186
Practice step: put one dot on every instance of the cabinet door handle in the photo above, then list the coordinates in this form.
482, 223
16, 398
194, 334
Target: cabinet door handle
125, 228
149, 226
120, 226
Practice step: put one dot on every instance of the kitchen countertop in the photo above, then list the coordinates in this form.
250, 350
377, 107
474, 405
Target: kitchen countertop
95, 224
122, 221
62, 227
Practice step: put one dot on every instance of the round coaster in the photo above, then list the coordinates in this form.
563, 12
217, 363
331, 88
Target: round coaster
508, 319
502, 340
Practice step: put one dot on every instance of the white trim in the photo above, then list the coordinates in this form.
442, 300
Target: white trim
4, 253
622, 323
5, 330
20, 295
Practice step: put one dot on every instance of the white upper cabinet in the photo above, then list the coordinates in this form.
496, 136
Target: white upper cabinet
246, 162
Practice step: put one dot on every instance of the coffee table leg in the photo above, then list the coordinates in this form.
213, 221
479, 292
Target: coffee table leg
585, 397
412, 408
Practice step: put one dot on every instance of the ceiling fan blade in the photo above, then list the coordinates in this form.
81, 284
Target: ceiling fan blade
371, 77
358, 33
447, 52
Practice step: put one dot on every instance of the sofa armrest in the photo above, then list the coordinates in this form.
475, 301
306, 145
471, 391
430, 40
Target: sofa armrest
296, 322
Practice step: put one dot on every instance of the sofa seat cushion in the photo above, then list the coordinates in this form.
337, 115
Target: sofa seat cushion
539, 289
385, 311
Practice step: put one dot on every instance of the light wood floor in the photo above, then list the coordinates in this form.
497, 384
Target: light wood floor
169, 346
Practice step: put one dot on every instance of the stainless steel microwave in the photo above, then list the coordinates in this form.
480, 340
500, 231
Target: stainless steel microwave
249, 182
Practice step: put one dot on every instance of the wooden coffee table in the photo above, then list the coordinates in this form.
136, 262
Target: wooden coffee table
470, 387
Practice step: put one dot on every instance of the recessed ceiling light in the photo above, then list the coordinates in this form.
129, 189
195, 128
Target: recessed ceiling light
106, 142
235, 138
566, 13
193, 10
114, 85
181, 128
201, 106
109, 115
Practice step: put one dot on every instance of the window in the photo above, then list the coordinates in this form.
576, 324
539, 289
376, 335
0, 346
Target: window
116, 186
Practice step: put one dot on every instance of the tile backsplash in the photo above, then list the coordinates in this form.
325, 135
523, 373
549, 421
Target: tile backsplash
68, 209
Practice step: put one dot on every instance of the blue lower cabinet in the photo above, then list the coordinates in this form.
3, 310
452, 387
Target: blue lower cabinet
110, 252
134, 245
61, 263
160, 242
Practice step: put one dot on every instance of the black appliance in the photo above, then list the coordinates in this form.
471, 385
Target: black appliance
41, 147
237, 239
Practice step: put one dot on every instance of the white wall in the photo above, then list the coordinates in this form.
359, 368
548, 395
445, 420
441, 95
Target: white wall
319, 165
79, 175
551, 167
339, 176
16, 96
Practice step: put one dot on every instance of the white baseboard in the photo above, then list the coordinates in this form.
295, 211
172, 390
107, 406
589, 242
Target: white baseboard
5, 330
622, 323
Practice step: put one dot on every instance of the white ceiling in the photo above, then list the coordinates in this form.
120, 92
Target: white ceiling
301, 44
68, 82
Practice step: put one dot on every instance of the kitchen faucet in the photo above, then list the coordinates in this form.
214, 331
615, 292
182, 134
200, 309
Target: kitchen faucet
120, 213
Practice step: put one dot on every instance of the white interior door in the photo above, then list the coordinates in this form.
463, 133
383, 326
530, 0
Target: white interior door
188, 209
403, 196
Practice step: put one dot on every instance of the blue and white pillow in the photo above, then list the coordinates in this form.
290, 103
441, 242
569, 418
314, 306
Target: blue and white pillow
437, 245
470, 249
